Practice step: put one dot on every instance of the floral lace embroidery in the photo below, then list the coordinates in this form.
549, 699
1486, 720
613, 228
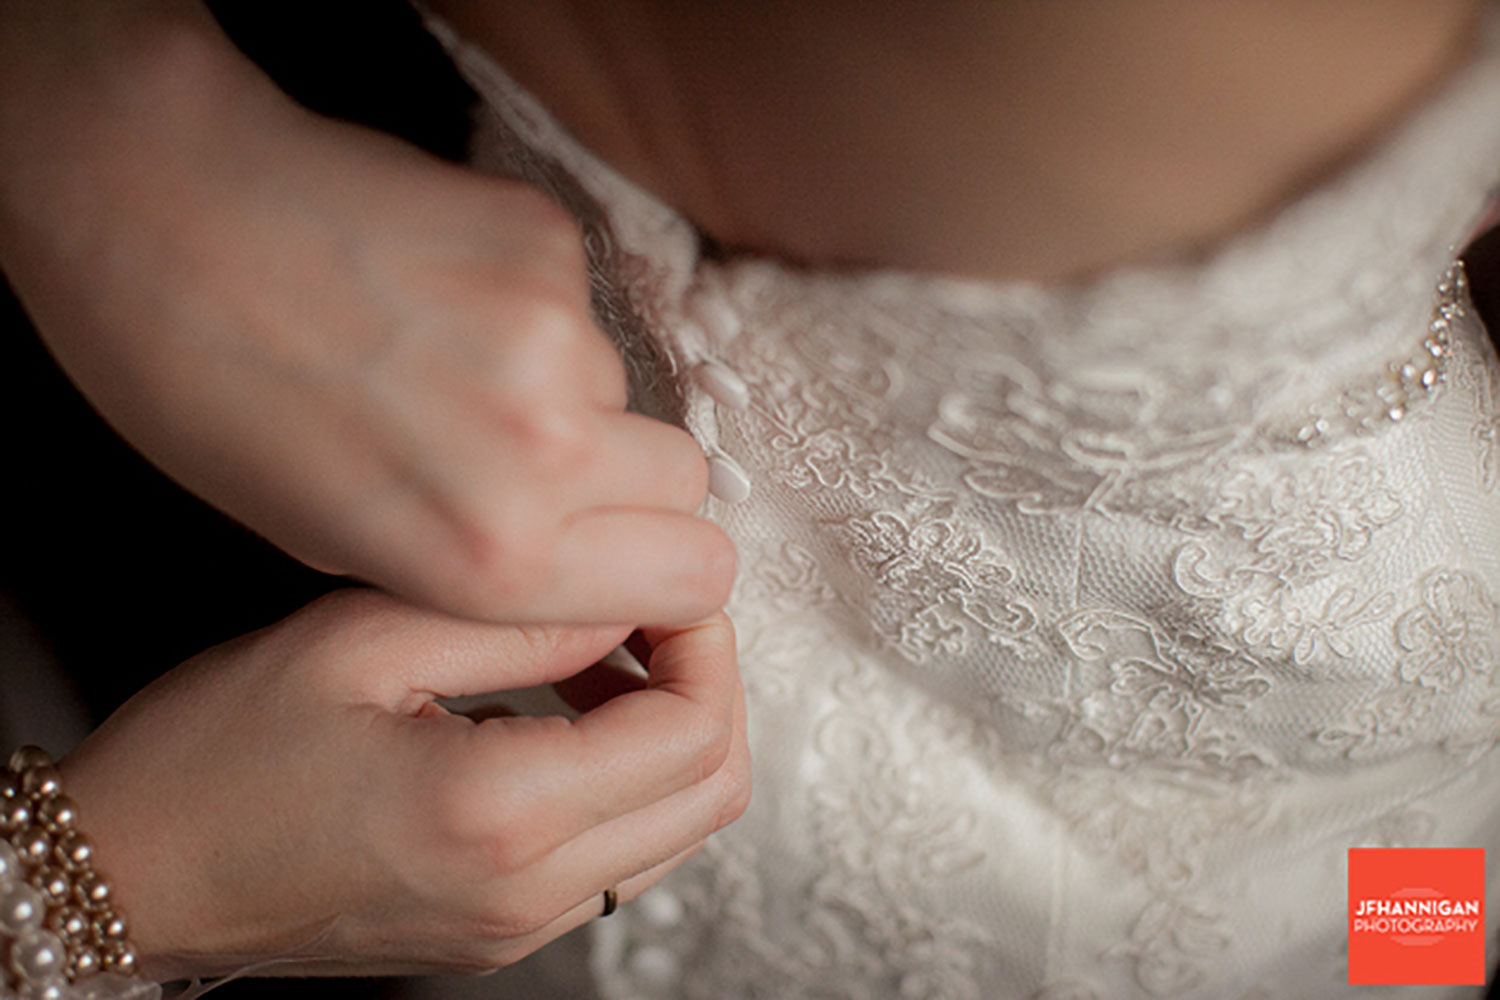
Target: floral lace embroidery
1180, 778
1161, 829
1485, 432
783, 582
886, 839
1390, 717
1300, 526
1450, 636
943, 586
1172, 942
1447, 641
1050, 445
1158, 702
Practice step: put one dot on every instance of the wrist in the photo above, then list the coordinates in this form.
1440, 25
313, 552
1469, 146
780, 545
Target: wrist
96, 99
124, 830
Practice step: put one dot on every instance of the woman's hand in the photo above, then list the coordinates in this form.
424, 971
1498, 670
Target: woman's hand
300, 793
383, 363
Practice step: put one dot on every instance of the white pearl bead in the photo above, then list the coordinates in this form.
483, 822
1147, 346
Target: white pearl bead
723, 384
10, 864
726, 480
655, 967
52, 988
659, 908
21, 909
37, 956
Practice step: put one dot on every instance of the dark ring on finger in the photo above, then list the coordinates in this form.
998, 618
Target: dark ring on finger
611, 901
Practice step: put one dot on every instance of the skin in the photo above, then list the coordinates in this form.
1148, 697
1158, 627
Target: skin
386, 365
1036, 139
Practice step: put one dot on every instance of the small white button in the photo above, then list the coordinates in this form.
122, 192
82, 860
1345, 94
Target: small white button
726, 480
723, 384
654, 967
719, 321
659, 908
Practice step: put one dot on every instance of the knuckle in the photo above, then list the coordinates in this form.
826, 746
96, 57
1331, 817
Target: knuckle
517, 839
556, 240
547, 340
737, 793
511, 852
711, 740
500, 924
542, 644
349, 604
526, 204
350, 616
501, 847
705, 573
551, 349
455, 813
551, 438
562, 243
510, 592
503, 569
716, 570
546, 327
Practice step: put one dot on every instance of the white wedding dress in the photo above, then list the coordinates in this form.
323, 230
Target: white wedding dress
1084, 628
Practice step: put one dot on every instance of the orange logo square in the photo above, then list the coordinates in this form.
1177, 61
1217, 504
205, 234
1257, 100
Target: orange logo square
1416, 916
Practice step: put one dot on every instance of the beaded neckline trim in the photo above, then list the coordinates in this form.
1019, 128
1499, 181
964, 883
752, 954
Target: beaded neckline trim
1389, 397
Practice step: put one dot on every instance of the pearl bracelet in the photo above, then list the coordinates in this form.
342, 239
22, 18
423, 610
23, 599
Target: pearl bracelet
58, 922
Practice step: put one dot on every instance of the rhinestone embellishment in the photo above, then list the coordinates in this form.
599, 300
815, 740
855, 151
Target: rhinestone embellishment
1387, 398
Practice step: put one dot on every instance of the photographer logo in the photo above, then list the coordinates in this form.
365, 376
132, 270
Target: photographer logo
1416, 916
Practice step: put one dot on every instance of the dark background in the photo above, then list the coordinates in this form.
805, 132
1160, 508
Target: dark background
124, 574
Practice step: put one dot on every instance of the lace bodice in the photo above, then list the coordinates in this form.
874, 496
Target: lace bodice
1085, 627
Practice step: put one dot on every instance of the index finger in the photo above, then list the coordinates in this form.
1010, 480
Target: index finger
635, 749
